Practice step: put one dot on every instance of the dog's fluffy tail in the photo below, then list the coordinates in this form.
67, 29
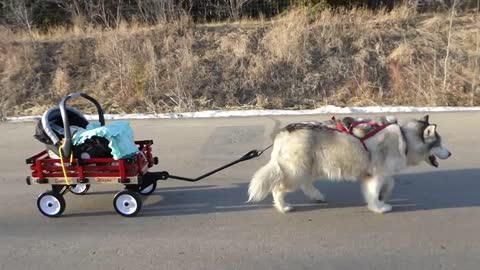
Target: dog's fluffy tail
276, 129
263, 181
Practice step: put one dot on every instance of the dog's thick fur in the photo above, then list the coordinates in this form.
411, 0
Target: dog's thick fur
305, 152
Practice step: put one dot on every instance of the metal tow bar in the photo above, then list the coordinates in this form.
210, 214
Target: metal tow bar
150, 177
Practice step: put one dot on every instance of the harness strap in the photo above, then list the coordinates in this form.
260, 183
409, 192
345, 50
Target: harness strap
378, 128
342, 128
375, 131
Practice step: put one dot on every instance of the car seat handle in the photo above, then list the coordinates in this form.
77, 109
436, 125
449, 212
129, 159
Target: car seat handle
67, 146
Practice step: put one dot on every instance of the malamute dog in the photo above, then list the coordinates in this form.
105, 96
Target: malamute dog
305, 152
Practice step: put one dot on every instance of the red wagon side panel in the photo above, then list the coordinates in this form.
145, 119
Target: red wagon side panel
101, 170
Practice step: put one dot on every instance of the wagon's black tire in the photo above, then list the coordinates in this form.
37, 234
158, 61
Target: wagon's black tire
148, 189
51, 204
127, 203
79, 189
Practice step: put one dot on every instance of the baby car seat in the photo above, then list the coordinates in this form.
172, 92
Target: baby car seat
50, 130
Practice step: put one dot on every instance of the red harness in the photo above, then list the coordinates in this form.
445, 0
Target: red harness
378, 128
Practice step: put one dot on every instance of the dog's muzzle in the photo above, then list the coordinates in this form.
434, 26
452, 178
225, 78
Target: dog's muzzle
441, 153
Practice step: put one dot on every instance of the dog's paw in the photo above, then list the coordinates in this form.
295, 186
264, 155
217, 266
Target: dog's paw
285, 208
314, 195
380, 208
319, 198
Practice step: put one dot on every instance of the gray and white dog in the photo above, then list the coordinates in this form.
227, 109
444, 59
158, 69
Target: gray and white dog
308, 151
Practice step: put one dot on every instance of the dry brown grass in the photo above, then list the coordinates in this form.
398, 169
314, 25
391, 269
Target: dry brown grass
299, 60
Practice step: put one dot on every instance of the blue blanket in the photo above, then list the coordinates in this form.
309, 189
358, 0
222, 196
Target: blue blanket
119, 134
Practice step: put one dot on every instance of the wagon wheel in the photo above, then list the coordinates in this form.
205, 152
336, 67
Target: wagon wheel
148, 189
51, 204
127, 203
143, 190
79, 189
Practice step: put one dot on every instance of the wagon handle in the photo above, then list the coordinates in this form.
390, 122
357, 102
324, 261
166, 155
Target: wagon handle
66, 125
153, 176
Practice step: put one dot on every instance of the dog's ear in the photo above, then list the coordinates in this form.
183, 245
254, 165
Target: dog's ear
429, 131
425, 119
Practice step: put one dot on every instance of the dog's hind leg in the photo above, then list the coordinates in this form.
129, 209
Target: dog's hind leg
279, 193
371, 188
387, 188
312, 192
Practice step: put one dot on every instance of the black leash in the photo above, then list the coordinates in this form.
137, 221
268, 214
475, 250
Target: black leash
253, 154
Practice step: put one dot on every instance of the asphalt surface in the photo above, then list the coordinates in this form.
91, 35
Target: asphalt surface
207, 225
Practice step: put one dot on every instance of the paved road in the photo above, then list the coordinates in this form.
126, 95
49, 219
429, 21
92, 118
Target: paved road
207, 225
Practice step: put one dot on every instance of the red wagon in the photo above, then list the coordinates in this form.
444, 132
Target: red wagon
64, 166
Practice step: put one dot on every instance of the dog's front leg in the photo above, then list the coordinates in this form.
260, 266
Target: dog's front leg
387, 188
371, 187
